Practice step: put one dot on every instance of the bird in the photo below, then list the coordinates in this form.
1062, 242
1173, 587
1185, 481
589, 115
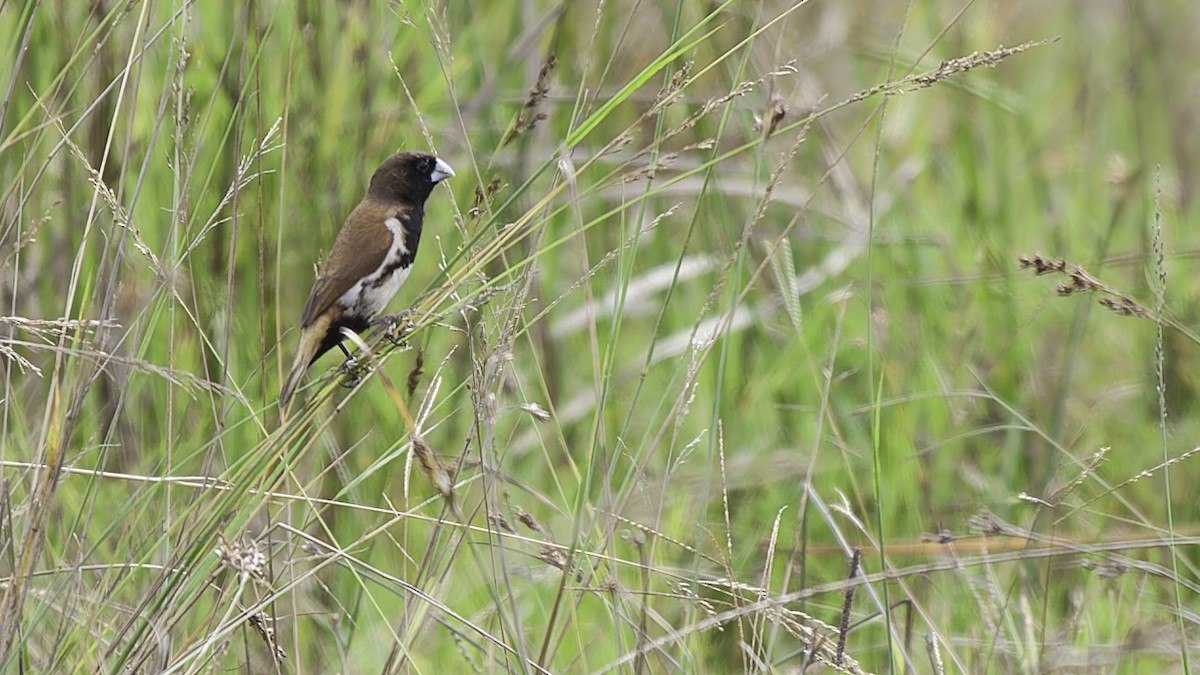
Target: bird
371, 258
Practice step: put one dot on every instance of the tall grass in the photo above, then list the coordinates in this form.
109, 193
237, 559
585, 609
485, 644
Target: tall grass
707, 365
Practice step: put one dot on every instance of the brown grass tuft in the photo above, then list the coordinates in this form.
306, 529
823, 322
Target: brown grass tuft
529, 116
1079, 281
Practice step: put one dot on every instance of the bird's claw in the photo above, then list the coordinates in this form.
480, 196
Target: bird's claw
393, 333
397, 328
350, 369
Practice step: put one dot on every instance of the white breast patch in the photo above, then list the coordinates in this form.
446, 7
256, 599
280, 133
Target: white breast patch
370, 296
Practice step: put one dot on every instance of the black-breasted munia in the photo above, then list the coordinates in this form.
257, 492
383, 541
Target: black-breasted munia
370, 259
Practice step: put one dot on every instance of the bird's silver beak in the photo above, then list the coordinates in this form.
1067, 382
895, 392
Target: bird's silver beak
441, 171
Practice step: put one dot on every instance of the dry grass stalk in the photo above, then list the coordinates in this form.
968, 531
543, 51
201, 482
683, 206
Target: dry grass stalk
1147, 473
437, 473
261, 623
536, 411
773, 112
1058, 495
484, 196
847, 603
244, 558
679, 80
527, 519
501, 522
49, 330
945, 70
935, 654
553, 556
1079, 281
120, 216
415, 373
529, 116
962, 64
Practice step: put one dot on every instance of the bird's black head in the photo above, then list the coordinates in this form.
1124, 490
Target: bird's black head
409, 177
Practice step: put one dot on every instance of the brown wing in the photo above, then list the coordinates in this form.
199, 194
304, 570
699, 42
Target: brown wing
359, 249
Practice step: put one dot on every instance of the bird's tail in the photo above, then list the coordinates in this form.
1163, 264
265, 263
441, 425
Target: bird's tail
294, 379
310, 342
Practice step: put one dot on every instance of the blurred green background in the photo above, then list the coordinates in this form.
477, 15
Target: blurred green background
693, 321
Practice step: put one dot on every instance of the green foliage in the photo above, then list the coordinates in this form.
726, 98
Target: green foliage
665, 364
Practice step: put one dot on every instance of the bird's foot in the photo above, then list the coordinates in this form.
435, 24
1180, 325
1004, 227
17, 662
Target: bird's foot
397, 327
352, 371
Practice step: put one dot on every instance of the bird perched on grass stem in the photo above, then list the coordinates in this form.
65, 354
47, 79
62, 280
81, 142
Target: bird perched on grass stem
370, 260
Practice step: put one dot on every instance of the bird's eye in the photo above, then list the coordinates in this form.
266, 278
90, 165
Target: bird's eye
424, 165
